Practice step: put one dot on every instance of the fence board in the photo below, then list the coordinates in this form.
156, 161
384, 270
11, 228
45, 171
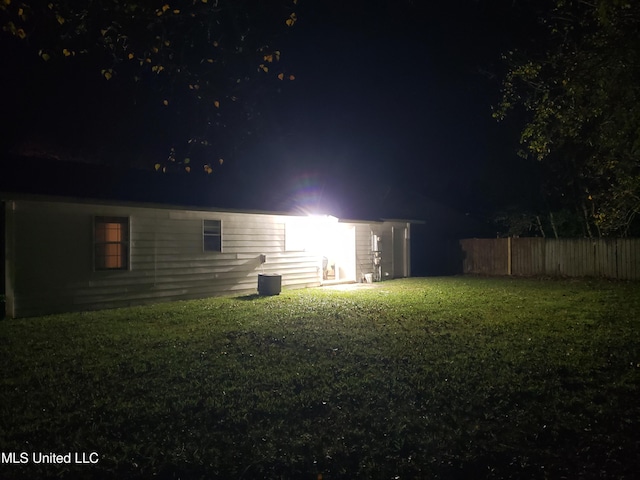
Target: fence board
628, 259
576, 257
553, 264
485, 256
527, 256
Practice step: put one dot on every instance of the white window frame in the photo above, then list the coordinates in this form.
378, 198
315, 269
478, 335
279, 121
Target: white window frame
206, 235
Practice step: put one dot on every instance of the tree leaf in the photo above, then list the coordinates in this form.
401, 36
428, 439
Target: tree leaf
131, 31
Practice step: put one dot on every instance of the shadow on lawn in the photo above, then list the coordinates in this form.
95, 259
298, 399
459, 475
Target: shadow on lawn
253, 297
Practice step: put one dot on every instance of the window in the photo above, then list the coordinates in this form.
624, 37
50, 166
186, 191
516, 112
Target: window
111, 243
212, 235
295, 235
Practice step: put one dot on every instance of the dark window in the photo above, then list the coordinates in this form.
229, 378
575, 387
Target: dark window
212, 235
111, 243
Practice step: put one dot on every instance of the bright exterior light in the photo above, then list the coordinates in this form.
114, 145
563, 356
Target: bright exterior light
324, 227
309, 233
318, 228
322, 219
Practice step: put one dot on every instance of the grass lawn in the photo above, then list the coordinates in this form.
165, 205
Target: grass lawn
457, 377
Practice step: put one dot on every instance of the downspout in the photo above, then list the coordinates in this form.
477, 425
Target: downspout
393, 251
509, 266
155, 254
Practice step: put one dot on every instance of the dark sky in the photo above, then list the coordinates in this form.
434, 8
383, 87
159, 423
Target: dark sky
391, 98
399, 95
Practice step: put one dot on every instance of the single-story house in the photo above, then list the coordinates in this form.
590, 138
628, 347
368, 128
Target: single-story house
65, 255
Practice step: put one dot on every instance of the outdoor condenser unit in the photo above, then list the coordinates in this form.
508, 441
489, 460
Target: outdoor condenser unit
269, 283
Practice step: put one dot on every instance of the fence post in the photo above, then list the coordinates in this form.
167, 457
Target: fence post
509, 269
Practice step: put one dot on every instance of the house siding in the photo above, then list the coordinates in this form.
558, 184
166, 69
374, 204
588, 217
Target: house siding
51, 256
49, 263
385, 245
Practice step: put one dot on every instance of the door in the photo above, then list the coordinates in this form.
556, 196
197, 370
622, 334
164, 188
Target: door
400, 237
339, 253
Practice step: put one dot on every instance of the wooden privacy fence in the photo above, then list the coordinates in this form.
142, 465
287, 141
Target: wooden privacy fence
580, 257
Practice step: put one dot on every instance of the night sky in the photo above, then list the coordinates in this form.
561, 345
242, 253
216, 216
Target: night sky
393, 98
390, 110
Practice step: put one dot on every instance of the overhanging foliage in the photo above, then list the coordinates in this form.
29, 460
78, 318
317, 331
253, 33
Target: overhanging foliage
203, 65
579, 94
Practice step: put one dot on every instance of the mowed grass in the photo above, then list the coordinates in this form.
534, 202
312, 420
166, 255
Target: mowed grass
457, 377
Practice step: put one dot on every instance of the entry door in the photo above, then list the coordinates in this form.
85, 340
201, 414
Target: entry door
339, 249
400, 257
347, 254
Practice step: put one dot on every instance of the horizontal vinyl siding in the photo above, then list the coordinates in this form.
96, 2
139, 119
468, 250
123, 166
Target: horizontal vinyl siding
54, 258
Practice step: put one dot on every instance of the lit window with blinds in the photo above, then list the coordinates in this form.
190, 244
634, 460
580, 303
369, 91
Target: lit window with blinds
111, 243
